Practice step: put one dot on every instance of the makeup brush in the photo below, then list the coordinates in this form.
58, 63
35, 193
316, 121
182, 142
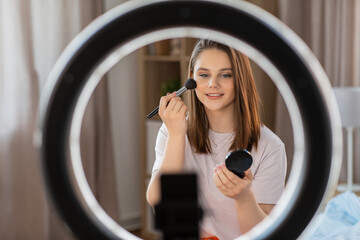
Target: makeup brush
189, 84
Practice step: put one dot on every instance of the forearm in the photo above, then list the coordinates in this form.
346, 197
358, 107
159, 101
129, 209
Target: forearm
173, 162
249, 212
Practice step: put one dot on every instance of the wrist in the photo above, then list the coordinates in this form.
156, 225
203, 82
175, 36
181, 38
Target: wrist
246, 198
176, 136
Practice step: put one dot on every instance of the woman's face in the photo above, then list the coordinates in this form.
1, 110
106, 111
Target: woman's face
215, 80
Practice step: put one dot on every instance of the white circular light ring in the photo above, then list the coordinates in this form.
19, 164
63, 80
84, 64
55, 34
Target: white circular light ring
81, 67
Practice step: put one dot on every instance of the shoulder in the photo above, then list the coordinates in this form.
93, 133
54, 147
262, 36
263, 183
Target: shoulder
161, 137
268, 139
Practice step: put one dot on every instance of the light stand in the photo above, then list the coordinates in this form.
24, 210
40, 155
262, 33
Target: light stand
348, 99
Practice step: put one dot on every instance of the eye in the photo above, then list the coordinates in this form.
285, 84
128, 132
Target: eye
227, 75
203, 75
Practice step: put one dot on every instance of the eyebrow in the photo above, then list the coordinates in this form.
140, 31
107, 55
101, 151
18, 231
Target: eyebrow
222, 69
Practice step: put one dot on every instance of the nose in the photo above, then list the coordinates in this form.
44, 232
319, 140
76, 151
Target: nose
213, 82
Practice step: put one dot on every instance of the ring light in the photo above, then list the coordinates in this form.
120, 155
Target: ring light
296, 72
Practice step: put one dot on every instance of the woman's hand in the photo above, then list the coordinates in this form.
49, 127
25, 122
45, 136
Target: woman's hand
230, 184
172, 111
240, 190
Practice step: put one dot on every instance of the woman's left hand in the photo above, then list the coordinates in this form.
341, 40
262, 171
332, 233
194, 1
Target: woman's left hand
230, 184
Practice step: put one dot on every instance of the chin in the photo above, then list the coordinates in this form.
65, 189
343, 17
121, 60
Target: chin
214, 108
217, 107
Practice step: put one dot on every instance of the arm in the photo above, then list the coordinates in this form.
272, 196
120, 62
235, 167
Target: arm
249, 212
173, 116
268, 186
266, 207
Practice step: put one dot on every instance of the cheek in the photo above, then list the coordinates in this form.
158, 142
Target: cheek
199, 95
231, 89
198, 92
200, 88
233, 95
200, 84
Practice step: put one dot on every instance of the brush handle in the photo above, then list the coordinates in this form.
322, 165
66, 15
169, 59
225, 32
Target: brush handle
153, 112
156, 110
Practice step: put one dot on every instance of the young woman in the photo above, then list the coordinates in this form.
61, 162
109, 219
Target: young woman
222, 115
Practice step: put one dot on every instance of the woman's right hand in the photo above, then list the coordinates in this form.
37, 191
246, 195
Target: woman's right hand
173, 114
172, 111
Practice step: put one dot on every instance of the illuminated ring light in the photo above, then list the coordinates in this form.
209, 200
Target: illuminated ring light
297, 74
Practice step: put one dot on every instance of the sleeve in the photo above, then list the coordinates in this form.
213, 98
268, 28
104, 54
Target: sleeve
160, 147
269, 179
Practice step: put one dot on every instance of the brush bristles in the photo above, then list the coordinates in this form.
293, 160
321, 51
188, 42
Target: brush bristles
190, 84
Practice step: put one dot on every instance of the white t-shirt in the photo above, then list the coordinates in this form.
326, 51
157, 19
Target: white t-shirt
268, 168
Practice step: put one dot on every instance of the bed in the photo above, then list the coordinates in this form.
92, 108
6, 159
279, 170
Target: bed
340, 220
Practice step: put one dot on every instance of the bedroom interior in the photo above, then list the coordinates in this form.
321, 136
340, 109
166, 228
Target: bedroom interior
108, 135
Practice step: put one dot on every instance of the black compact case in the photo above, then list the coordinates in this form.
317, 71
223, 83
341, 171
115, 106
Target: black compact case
238, 161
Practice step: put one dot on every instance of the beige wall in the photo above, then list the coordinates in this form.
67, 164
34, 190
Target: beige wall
265, 85
124, 102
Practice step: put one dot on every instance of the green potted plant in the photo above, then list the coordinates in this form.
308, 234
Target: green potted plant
171, 85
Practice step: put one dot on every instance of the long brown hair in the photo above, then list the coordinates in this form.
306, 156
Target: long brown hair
247, 118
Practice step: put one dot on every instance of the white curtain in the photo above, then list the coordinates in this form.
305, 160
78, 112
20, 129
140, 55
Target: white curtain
22, 199
331, 28
32, 36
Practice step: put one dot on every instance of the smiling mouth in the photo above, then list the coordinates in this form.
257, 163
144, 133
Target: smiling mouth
214, 94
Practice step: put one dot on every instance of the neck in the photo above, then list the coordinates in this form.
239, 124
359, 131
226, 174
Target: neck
220, 121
